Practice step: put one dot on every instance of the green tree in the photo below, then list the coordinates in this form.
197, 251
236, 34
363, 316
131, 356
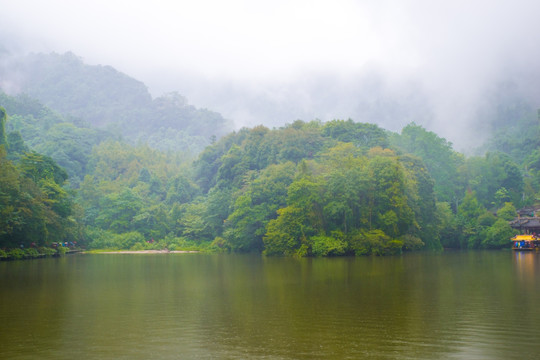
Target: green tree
495, 178
389, 210
118, 210
232, 168
498, 235
374, 242
447, 225
10, 215
345, 185
302, 218
191, 222
181, 190
439, 157
288, 234
34, 212
419, 190
17, 147
333, 245
3, 136
39, 167
362, 135
507, 212
468, 212
246, 225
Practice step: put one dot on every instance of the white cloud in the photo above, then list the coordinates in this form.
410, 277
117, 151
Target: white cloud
454, 47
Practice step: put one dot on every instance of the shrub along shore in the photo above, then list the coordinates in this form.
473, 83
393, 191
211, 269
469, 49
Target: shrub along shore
148, 252
35, 252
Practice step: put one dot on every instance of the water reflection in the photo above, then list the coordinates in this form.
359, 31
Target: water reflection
526, 264
418, 306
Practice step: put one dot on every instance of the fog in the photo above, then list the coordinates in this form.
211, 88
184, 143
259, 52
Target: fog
437, 63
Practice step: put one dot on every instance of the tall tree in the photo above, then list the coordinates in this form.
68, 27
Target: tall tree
439, 157
3, 136
256, 206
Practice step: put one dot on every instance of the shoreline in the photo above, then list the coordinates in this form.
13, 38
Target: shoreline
148, 252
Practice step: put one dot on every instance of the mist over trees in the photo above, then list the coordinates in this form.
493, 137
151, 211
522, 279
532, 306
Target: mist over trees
468, 115
137, 172
104, 98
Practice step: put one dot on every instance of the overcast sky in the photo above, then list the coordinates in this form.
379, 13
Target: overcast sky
207, 49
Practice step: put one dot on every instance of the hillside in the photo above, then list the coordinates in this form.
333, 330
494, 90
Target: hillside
306, 189
105, 98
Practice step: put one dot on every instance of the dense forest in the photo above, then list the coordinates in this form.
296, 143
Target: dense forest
80, 163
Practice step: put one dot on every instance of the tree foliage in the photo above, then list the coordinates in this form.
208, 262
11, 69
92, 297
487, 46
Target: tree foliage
440, 159
305, 189
35, 208
3, 136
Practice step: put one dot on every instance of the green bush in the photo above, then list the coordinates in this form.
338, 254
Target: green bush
47, 251
162, 244
507, 212
367, 242
184, 244
219, 242
15, 254
61, 250
138, 247
101, 239
393, 247
31, 253
498, 235
411, 242
328, 245
28, 253
374, 242
128, 240
302, 251
487, 219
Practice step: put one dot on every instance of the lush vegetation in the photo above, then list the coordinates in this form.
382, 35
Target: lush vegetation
306, 189
35, 207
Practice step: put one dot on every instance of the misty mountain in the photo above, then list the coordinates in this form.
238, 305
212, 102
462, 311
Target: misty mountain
369, 96
31, 126
466, 110
108, 99
511, 118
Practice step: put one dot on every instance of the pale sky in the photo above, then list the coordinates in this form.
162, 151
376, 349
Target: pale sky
209, 49
229, 39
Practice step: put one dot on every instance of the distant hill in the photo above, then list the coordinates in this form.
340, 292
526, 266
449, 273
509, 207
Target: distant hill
69, 141
106, 98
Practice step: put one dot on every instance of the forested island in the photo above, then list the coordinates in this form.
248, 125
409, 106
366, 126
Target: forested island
93, 160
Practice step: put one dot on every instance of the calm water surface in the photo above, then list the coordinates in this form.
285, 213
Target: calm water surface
455, 305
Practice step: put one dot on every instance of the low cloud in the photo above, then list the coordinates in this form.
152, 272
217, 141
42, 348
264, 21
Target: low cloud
388, 62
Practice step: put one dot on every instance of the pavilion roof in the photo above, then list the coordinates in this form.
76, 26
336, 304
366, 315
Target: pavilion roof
525, 222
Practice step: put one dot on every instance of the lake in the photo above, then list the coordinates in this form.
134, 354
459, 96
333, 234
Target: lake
453, 305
